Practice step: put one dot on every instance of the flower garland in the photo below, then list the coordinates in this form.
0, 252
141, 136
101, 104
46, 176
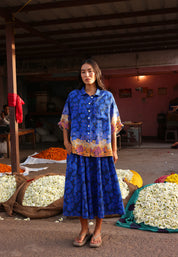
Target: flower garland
157, 206
44, 191
53, 153
7, 187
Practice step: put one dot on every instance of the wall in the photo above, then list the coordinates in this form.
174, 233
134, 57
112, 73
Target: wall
141, 107
136, 60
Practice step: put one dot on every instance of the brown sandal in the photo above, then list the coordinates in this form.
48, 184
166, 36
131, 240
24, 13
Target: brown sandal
84, 241
95, 245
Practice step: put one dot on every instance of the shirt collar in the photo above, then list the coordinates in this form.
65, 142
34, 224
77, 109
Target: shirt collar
83, 92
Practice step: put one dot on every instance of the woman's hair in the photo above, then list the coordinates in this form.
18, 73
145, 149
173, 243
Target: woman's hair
99, 82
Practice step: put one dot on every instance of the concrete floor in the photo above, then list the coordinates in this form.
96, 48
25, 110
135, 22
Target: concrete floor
45, 238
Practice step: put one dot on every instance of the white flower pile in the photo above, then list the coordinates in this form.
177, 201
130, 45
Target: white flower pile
121, 174
44, 191
7, 187
157, 206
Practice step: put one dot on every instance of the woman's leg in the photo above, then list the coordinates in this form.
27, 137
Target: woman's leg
97, 232
84, 230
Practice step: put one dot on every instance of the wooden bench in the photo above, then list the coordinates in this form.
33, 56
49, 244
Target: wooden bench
21, 132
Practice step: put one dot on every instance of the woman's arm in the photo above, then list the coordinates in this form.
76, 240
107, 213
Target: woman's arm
114, 146
67, 143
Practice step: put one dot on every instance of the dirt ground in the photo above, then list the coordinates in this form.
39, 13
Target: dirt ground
45, 238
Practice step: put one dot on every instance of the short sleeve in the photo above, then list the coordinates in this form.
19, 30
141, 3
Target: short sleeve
65, 120
116, 124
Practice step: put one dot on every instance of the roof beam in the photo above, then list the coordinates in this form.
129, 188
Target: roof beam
42, 47
115, 27
119, 36
60, 4
109, 36
42, 44
107, 17
8, 17
104, 50
98, 17
105, 45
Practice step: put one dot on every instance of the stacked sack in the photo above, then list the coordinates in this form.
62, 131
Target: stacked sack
41, 197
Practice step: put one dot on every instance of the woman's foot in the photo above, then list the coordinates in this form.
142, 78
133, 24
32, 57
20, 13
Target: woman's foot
96, 241
82, 239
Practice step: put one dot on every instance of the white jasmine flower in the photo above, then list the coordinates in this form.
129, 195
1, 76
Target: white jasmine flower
157, 206
27, 219
121, 174
7, 187
44, 191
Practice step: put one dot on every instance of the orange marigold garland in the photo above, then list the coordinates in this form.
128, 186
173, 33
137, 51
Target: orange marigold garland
53, 153
4, 168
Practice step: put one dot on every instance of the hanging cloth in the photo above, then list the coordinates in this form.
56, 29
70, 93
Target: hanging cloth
14, 100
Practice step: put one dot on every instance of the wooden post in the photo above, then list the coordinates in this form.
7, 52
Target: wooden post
12, 88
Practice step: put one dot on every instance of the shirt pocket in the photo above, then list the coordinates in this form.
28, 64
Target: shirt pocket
101, 112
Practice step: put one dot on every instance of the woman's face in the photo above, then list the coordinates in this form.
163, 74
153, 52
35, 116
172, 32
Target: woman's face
87, 74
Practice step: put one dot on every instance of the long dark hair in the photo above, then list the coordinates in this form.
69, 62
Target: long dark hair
96, 68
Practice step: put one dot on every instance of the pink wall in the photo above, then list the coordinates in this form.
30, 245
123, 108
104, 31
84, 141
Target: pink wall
140, 107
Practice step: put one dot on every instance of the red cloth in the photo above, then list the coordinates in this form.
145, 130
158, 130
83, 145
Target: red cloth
14, 100
162, 178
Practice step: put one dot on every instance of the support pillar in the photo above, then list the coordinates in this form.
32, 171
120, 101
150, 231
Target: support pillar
12, 88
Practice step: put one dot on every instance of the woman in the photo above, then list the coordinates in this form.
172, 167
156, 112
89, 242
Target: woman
90, 121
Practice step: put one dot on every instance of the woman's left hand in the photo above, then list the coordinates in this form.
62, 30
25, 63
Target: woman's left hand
115, 156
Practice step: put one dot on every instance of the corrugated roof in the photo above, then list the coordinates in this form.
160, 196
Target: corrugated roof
61, 28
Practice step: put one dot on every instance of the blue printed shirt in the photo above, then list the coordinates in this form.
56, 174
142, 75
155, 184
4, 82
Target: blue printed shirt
91, 120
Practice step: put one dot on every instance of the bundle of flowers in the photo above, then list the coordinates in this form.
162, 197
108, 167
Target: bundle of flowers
156, 206
4, 168
44, 191
153, 207
53, 153
129, 176
7, 187
173, 178
41, 197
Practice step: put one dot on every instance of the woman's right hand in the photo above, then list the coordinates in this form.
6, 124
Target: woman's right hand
68, 147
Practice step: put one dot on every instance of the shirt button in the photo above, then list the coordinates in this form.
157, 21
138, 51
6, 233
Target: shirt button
88, 133
91, 96
88, 126
88, 110
88, 117
89, 103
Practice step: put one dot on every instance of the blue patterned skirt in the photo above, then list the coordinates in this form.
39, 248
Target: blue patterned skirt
91, 187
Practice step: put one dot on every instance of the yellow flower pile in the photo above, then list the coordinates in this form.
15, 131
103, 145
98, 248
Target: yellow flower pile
173, 178
136, 179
